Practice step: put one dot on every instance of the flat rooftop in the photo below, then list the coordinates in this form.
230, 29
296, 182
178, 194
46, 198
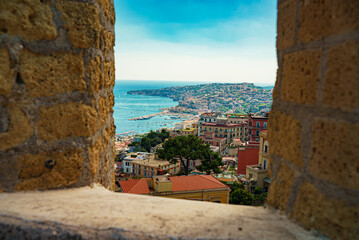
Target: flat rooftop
152, 162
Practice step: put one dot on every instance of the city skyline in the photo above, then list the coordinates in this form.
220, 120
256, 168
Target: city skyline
216, 41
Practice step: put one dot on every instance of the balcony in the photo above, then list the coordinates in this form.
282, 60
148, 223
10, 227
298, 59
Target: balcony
100, 214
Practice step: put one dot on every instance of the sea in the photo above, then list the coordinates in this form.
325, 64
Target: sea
130, 106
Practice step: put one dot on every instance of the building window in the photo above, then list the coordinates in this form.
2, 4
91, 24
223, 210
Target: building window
258, 124
265, 149
257, 133
265, 125
210, 129
265, 164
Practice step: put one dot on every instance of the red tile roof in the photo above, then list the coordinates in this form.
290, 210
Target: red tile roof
181, 183
195, 182
137, 186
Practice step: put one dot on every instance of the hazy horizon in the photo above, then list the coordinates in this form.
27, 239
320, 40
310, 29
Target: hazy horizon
195, 82
212, 41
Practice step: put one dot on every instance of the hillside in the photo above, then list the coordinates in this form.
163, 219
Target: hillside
223, 97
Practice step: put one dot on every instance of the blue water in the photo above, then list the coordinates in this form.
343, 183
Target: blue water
129, 106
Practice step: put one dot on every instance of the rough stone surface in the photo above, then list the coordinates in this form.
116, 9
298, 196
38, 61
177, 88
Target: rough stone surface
82, 23
330, 17
51, 80
29, 19
99, 214
300, 76
280, 188
103, 110
49, 169
67, 120
286, 24
107, 74
95, 73
108, 9
108, 40
7, 75
335, 151
47, 75
341, 84
19, 129
334, 217
285, 132
94, 156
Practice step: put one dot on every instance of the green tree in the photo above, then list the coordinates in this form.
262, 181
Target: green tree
241, 197
211, 162
258, 190
135, 144
187, 148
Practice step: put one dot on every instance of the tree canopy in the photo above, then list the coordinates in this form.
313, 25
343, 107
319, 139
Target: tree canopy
150, 140
187, 148
242, 197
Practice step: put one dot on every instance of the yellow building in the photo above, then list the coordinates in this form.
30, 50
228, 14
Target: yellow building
195, 187
229, 128
150, 167
257, 175
185, 132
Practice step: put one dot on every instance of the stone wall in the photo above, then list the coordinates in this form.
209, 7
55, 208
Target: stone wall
314, 122
56, 94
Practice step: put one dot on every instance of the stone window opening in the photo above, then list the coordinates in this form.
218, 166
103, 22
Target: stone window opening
314, 96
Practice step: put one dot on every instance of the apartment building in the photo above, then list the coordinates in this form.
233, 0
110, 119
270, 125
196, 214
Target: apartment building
150, 167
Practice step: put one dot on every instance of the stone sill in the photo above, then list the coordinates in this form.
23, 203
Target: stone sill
96, 213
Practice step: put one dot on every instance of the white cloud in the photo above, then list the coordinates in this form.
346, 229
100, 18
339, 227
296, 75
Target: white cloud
198, 58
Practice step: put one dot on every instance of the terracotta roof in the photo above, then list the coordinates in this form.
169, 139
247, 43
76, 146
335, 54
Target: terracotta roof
195, 182
136, 186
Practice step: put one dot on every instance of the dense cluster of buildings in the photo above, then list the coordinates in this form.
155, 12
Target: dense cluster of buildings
240, 139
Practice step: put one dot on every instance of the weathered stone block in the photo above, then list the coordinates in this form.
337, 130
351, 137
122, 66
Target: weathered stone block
334, 218
286, 24
107, 74
95, 72
108, 9
19, 129
61, 121
276, 93
113, 70
49, 169
103, 110
108, 41
82, 23
331, 17
7, 75
280, 189
335, 151
341, 84
29, 19
95, 151
111, 103
284, 132
300, 76
47, 75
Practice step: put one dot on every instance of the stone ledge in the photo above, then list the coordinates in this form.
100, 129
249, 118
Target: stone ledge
96, 213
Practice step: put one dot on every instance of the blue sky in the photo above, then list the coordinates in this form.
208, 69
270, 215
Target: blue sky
196, 40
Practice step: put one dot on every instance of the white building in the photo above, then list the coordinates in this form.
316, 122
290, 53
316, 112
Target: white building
126, 163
